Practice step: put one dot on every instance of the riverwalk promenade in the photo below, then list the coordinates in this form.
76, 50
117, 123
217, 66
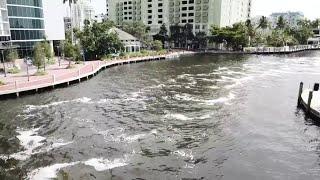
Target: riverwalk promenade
280, 50
60, 75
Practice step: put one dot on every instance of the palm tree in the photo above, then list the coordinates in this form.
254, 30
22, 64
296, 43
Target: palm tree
250, 30
263, 23
70, 6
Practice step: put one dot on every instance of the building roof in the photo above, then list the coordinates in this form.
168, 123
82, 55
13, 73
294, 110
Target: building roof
123, 36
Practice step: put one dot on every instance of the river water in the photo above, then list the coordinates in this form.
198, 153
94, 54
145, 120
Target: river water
196, 117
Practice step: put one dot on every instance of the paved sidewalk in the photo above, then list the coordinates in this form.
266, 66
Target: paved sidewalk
54, 69
15, 83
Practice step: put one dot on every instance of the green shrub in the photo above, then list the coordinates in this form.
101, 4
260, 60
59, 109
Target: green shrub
107, 57
40, 73
13, 70
2, 83
122, 54
51, 61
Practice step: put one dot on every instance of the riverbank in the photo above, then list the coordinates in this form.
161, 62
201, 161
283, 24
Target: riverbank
15, 85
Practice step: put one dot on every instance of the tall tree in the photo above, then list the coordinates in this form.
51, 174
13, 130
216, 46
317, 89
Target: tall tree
188, 34
70, 8
200, 40
98, 40
281, 24
137, 29
38, 55
176, 35
162, 35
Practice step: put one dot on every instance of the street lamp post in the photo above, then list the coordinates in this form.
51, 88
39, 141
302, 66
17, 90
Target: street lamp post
4, 66
44, 65
28, 70
59, 59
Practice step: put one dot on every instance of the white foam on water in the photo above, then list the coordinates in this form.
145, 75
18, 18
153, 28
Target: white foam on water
83, 100
34, 144
214, 87
185, 154
220, 100
206, 116
177, 117
185, 97
101, 164
49, 172
30, 140
172, 81
182, 76
30, 108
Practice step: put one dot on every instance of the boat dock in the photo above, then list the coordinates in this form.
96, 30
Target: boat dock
309, 101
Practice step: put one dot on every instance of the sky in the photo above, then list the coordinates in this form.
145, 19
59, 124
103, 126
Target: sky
310, 8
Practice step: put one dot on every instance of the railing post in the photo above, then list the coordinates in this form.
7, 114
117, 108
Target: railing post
16, 84
78, 72
300, 93
53, 78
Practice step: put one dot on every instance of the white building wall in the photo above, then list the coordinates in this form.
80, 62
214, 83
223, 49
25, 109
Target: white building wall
200, 13
82, 11
53, 19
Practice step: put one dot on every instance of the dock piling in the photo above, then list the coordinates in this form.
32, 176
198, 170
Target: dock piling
309, 101
300, 93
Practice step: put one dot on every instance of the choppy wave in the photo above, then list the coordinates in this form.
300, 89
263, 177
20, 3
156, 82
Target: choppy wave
83, 100
177, 117
220, 100
32, 144
99, 164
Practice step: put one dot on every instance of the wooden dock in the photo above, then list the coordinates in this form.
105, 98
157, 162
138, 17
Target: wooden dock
89, 70
309, 101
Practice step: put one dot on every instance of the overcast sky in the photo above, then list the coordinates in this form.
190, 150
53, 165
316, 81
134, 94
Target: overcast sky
311, 8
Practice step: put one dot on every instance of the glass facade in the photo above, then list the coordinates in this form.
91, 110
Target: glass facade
26, 23
37, 3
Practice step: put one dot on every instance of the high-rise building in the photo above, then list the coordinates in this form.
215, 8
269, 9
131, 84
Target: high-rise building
30, 21
291, 18
81, 11
26, 23
4, 22
200, 13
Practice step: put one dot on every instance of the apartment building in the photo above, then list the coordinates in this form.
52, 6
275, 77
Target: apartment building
200, 13
81, 11
291, 18
4, 22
